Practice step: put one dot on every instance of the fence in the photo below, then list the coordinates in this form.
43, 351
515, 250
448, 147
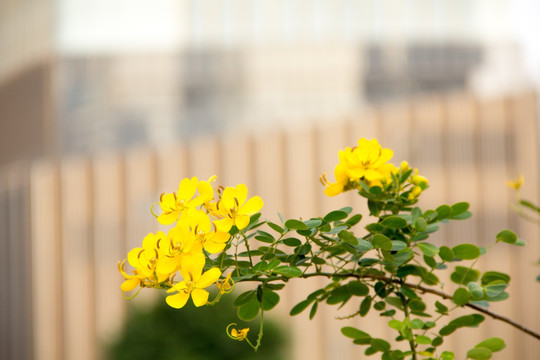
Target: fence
64, 224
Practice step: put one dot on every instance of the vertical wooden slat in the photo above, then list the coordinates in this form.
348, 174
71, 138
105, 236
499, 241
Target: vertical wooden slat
18, 257
462, 176
493, 212
368, 125
301, 202
141, 193
109, 245
523, 127
269, 183
4, 268
171, 168
332, 137
48, 305
203, 158
78, 260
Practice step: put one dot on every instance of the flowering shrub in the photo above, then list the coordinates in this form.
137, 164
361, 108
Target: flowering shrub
387, 265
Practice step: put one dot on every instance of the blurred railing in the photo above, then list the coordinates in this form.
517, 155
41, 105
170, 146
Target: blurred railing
65, 224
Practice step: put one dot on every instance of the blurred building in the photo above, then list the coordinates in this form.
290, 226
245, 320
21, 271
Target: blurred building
108, 76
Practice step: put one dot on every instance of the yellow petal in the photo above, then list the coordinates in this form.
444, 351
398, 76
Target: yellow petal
178, 300
168, 218
224, 224
241, 193
252, 206
129, 284
199, 297
241, 221
214, 247
192, 266
208, 278
187, 188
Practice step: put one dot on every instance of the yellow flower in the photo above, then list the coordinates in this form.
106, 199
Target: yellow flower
367, 162
153, 263
516, 184
201, 226
234, 209
237, 334
173, 204
224, 285
194, 283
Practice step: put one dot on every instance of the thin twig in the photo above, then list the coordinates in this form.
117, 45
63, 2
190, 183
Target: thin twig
412, 286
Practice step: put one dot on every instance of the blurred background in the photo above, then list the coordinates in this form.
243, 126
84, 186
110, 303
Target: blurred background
106, 104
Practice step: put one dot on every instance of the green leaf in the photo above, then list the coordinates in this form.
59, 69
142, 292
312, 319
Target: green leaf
507, 236
430, 261
292, 242
420, 225
459, 208
381, 242
520, 242
441, 309
301, 306
313, 310
447, 355
417, 324
479, 353
495, 288
354, 333
363, 245
446, 253
249, 310
491, 276
477, 291
293, 224
288, 271
437, 341
417, 305
244, 298
394, 222
358, 288
443, 212
424, 340
468, 320
365, 305
348, 237
336, 215
270, 299
353, 220
494, 344
408, 292
461, 296
374, 207
463, 275
428, 249
338, 295
395, 324
276, 227
466, 251
313, 223
398, 245
380, 345
403, 256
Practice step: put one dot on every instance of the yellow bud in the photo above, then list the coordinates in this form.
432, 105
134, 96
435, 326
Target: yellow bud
404, 166
417, 180
515, 184
415, 192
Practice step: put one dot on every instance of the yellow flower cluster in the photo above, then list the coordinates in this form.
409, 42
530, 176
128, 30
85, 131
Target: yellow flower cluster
368, 162
202, 226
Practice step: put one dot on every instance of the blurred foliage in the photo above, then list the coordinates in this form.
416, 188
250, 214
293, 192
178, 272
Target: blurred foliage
163, 333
